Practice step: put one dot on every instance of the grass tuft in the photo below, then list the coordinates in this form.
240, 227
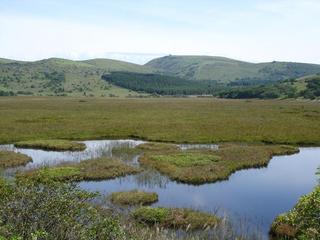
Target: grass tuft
177, 218
134, 197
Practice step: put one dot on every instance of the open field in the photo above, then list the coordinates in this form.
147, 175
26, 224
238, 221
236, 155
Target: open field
163, 119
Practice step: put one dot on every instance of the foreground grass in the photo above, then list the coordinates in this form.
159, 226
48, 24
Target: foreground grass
94, 170
175, 218
10, 159
54, 145
164, 119
134, 197
302, 222
202, 166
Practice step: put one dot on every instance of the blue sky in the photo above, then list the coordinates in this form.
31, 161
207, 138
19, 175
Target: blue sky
252, 30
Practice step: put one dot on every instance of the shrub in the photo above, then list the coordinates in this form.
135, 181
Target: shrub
303, 221
31, 210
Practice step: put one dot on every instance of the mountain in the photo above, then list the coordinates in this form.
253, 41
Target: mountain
171, 75
57, 76
225, 70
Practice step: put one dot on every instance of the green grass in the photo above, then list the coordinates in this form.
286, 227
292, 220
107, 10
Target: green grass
134, 197
11, 159
175, 218
226, 70
163, 119
302, 222
88, 170
202, 166
55, 145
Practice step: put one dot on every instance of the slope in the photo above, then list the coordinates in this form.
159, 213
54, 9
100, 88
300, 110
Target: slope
227, 70
56, 76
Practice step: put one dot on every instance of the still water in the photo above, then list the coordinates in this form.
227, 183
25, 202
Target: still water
256, 195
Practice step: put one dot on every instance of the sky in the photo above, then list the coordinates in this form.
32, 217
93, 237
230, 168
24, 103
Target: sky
139, 30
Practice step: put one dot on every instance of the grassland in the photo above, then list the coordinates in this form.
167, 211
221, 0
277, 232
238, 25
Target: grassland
175, 218
91, 170
11, 159
133, 197
202, 166
55, 145
165, 119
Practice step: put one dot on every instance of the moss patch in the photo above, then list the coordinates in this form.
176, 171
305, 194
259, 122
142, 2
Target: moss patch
134, 197
201, 166
96, 169
302, 222
55, 145
175, 218
11, 159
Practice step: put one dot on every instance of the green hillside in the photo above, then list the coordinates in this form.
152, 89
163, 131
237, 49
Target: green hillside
56, 76
227, 70
306, 87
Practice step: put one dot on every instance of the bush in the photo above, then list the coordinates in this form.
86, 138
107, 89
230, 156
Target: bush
30, 210
303, 221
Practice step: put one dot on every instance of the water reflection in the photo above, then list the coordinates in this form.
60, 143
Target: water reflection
94, 149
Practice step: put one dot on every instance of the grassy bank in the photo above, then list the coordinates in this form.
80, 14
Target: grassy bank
163, 119
175, 218
54, 145
202, 166
96, 169
134, 197
11, 159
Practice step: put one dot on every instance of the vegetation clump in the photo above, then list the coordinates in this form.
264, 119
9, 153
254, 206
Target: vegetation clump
95, 169
54, 145
202, 166
302, 222
53, 210
10, 159
177, 218
134, 197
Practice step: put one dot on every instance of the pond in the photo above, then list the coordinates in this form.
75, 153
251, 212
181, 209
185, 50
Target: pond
256, 196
